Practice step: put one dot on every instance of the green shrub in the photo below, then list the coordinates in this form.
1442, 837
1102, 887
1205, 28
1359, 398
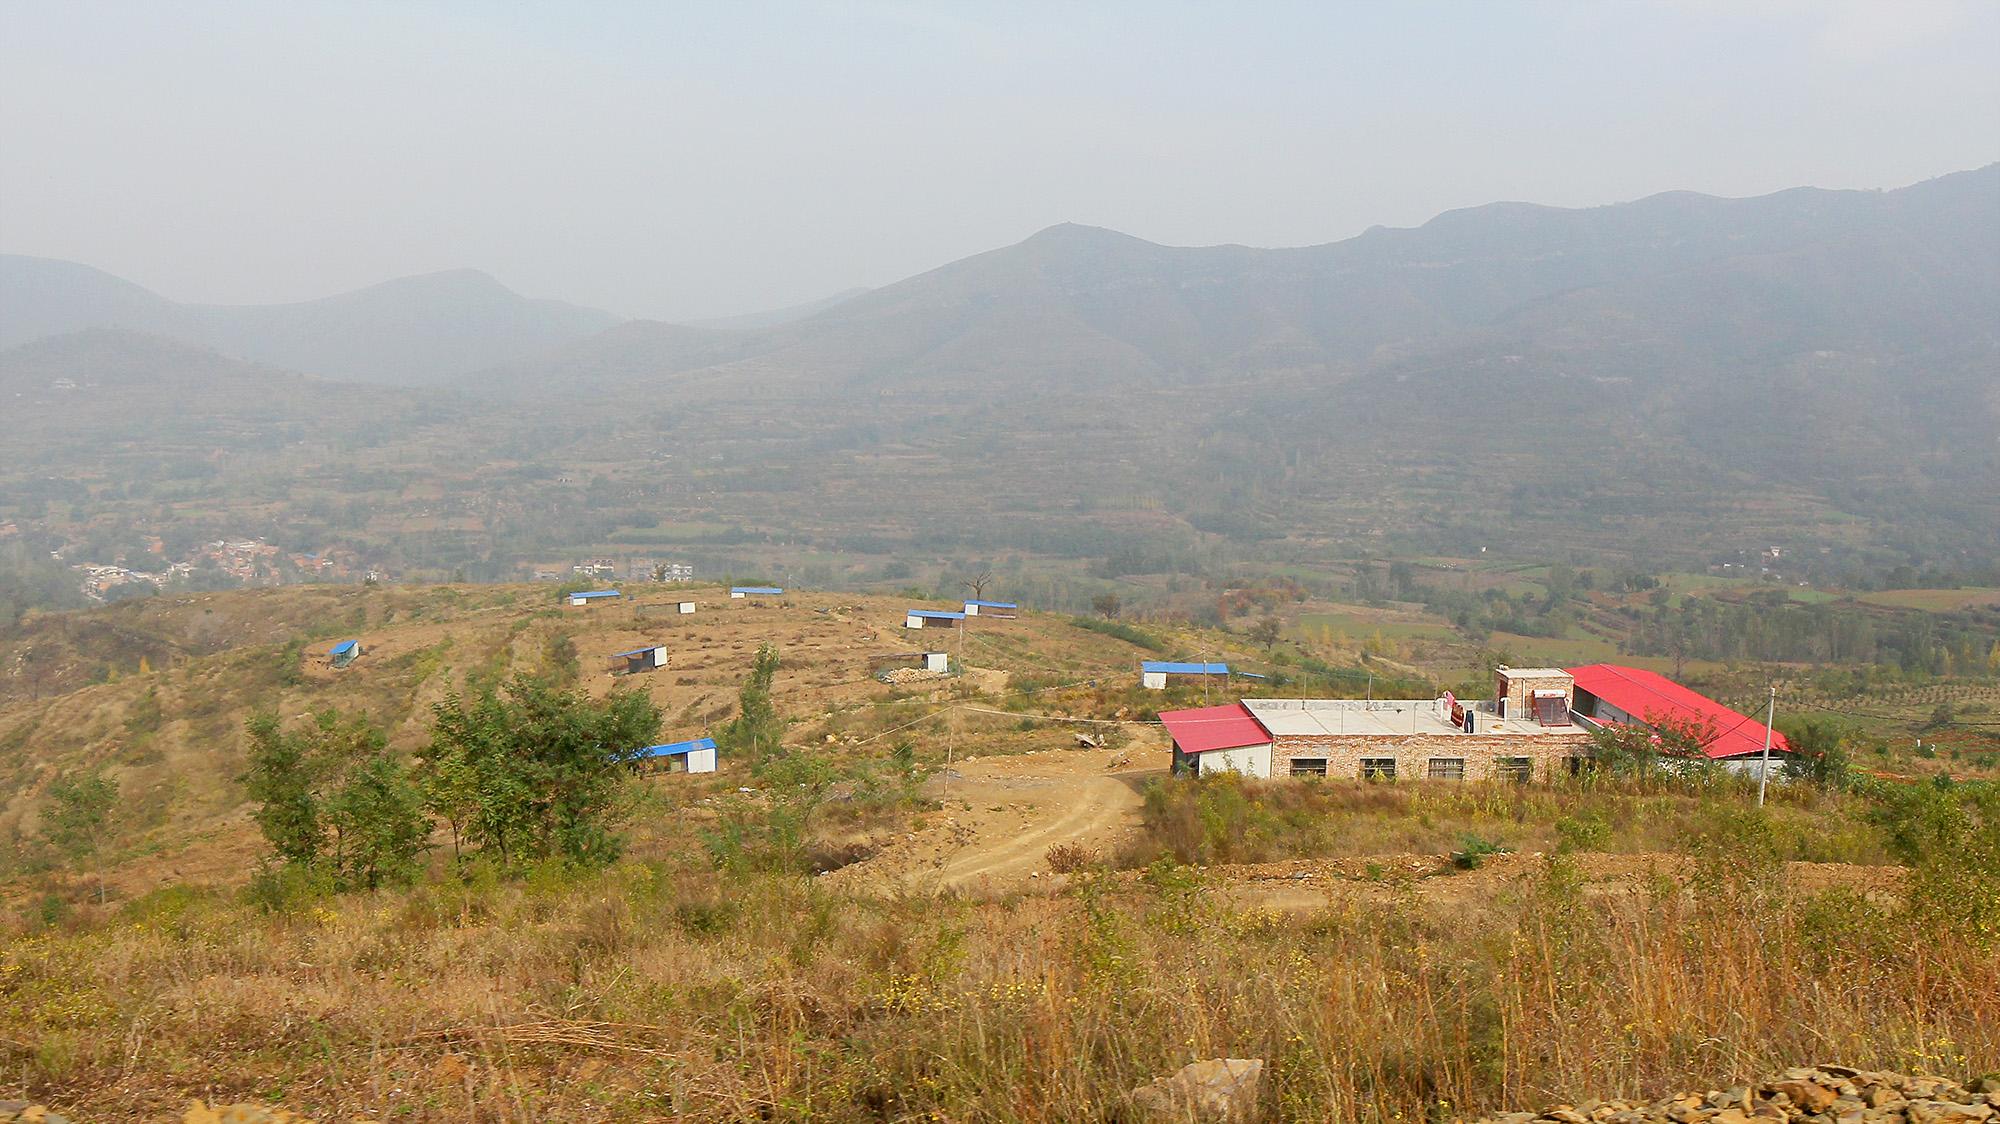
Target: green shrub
1474, 850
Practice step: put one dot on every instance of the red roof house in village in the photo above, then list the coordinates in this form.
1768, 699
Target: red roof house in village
1214, 739
1610, 693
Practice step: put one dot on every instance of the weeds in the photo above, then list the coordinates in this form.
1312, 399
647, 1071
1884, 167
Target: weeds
718, 996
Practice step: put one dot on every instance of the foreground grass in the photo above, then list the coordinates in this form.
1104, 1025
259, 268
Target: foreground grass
667, 991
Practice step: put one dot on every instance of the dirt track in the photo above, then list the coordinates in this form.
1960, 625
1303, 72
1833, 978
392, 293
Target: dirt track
1000, 816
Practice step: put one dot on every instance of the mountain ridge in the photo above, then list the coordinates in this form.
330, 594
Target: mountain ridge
415, 330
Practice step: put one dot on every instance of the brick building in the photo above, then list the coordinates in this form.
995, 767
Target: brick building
1523, 733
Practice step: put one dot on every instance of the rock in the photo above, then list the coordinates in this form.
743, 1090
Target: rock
1947, 1112
1216, 1088
1805, 1094
21, 1112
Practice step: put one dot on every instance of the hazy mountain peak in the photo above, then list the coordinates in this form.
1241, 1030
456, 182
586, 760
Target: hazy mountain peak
1077, 234
412, 330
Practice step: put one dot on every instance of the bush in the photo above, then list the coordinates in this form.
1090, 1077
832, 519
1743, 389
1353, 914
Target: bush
1137, 637
1475, 850
1069, 858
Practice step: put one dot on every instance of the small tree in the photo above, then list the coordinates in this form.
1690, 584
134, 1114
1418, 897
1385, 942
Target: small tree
331, 797
977, 583
1265, 632
1819, 752
282, 782
1639, 750
1105, 604
756, 729
76, 817
535, 771
379, 825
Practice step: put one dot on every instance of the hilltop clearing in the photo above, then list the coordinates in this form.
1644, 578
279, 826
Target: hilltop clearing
156, 692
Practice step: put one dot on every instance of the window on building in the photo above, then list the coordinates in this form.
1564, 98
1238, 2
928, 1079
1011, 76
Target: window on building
1518, 769
1378, 768
1447, 768
1308, 766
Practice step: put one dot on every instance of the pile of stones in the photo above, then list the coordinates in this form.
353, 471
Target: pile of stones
1826, 1094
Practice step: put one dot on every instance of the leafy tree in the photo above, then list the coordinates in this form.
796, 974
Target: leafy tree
281, 780
77, 814
1819, 752
1106, 605
330, 796
756, 728
1637, 750
534, 771
379, 824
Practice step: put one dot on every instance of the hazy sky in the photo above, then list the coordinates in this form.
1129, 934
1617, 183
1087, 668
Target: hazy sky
691, 160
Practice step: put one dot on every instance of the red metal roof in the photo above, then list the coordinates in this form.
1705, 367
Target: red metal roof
1650, 697
1213, 727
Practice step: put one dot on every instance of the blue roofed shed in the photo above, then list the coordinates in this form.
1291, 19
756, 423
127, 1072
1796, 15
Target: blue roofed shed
592, 595
742, 591
697, 756
925, 618
344, 653
975, 608
1153, 674
639, 659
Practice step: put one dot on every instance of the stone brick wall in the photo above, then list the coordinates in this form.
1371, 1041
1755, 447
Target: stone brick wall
1413, 752
1521, 690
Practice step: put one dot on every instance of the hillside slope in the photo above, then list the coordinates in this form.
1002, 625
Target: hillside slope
1681, 374
156, 692
412, 331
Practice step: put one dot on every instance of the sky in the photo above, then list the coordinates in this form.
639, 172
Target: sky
685, 161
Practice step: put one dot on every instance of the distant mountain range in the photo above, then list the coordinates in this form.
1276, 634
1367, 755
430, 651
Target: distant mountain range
1671, 371
413, 331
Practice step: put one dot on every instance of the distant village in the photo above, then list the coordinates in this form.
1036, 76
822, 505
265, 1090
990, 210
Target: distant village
254, 561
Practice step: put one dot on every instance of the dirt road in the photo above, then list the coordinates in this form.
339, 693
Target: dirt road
999, 816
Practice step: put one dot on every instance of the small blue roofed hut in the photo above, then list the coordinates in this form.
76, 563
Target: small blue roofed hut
697, 756
1153, 674
639, 659
931, 618
344, 653
593, 596
742, 591
990, 608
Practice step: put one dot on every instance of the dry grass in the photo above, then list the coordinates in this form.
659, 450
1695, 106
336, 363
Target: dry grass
663, 991
1225, 819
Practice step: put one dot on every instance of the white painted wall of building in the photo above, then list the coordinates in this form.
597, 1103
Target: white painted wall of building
737, 594
701, 761
686, 607
1153, 680
1249, 760
913, 621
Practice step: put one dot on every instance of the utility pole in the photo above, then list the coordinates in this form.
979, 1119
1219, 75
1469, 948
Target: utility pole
1764, 770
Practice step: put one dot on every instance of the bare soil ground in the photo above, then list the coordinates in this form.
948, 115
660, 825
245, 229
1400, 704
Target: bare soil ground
1310, 884
1001, 815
